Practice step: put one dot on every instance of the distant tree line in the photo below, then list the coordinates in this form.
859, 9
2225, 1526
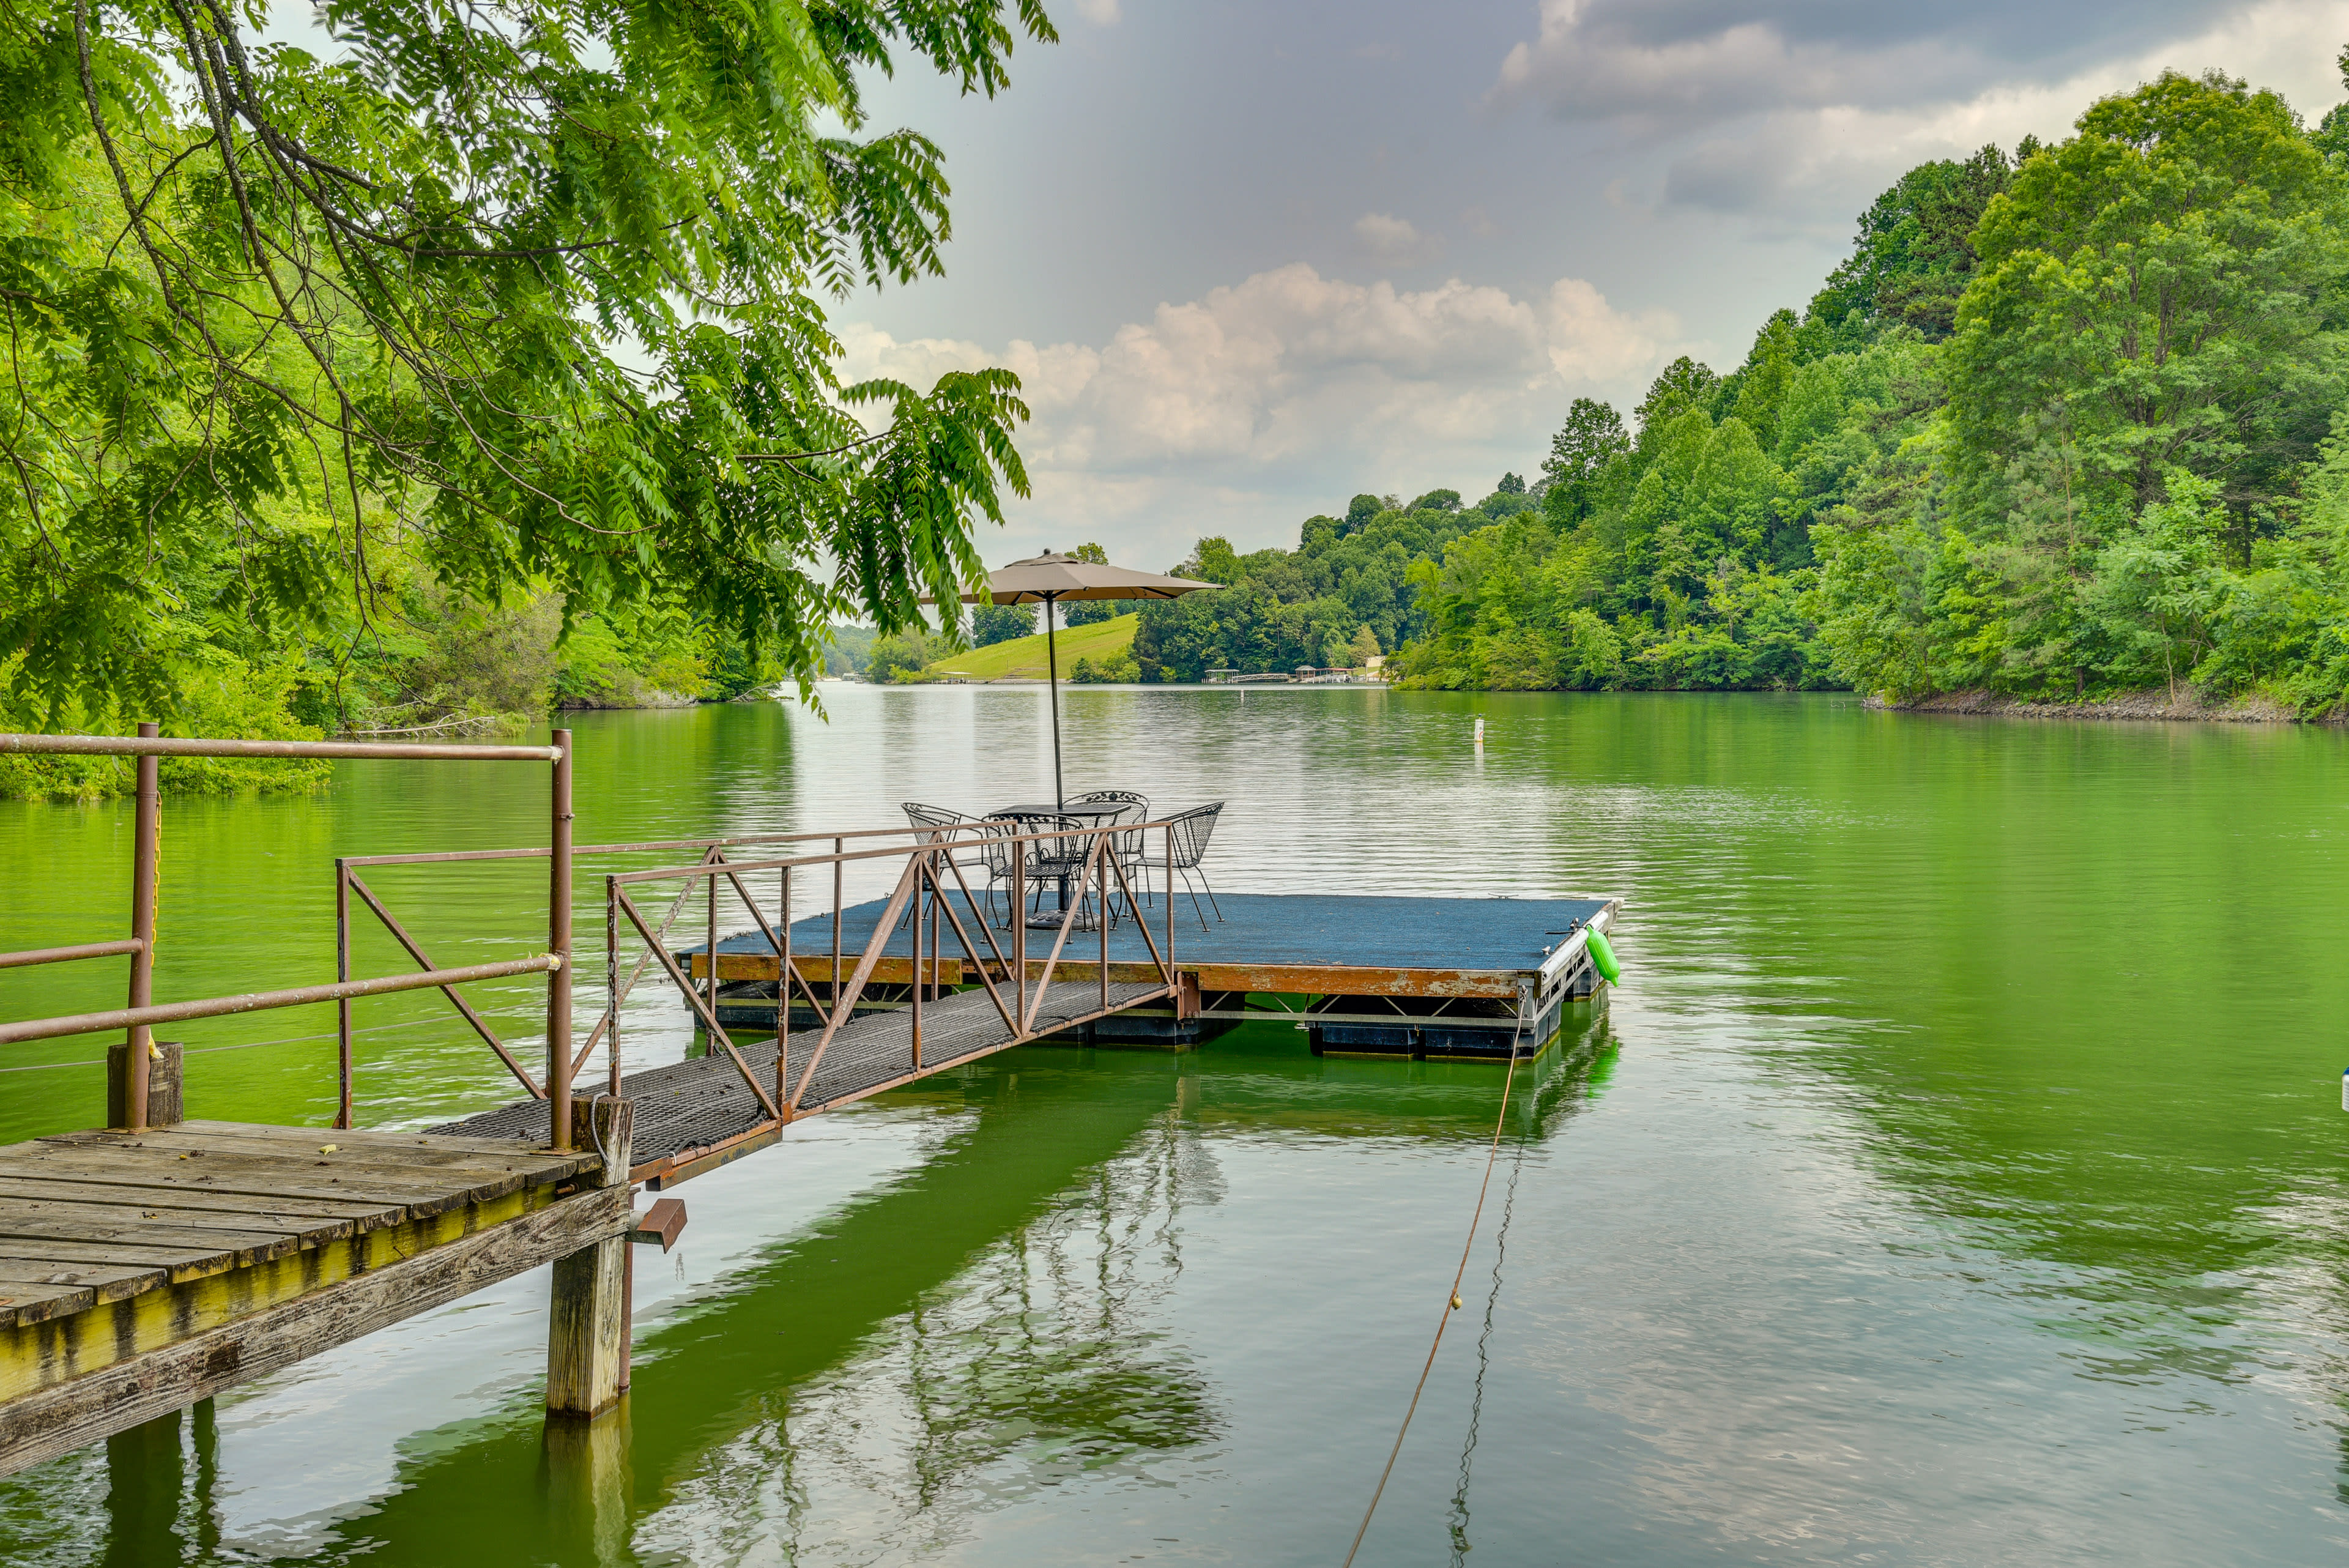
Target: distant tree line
2065, 423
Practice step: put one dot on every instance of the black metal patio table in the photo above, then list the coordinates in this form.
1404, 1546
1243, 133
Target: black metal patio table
1093, 812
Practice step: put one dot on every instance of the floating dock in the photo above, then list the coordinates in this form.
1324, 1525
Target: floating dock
1362, 974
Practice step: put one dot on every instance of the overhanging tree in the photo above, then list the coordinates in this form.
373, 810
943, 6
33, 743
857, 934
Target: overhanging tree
530, 289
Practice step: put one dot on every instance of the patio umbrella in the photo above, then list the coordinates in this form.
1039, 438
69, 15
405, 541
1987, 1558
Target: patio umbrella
1047, 580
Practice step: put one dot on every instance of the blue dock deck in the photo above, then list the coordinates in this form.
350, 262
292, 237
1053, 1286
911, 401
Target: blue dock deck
1369, 973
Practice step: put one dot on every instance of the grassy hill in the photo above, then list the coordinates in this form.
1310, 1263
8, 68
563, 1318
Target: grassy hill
1022, 657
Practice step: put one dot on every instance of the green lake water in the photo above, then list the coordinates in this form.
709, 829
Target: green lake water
1957, 1177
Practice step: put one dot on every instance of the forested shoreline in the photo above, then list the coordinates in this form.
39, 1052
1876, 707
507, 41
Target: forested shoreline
2066, 423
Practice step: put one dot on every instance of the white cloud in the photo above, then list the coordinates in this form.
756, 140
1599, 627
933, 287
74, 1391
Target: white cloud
1395, 241
1247, 410
1100, 12
1800, 134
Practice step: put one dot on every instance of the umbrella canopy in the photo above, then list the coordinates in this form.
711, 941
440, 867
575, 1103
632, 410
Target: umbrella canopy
1048, 579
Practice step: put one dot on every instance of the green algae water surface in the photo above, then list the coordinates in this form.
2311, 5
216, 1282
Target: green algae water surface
1957, 1179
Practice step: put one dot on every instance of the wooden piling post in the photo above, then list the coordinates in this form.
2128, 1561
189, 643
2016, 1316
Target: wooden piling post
587, 1327
165, 1107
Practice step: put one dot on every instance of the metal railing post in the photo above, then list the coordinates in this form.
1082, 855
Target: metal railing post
612, 984
1170, 896
558, 945
920, 865
143, 873
839, 871
1019, 930
343, 1004
937, 895
784, 999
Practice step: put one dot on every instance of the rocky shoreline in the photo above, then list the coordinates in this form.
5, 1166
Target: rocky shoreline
2153, 705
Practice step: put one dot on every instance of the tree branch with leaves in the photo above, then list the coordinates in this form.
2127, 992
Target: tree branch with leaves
531, 288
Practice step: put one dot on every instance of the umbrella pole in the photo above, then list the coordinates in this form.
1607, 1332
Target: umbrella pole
1053, 688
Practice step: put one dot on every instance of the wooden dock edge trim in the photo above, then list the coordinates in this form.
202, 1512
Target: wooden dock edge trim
1336, 980
1286, 978
59, 1419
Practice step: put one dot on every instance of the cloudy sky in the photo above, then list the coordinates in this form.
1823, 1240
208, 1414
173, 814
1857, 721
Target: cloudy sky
1251, 259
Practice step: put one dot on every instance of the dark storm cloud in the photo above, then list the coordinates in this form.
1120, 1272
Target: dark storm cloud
1682, 64
2015, 29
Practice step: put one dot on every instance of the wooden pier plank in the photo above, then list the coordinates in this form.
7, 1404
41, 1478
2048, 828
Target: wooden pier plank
110, 1282
85, 1209
237, 1246
178, 1263
318, 1149
260, 1176
33, 1302
363, 1215
570, 1161
696, 1114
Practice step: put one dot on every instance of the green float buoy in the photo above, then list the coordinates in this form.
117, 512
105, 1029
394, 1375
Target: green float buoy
1603, 956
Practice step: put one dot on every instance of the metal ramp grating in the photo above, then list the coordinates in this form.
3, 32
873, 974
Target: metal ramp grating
702, 1101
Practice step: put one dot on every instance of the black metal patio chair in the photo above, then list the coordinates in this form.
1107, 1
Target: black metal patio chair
998, 858
1126, 846
929, 816
1192, 829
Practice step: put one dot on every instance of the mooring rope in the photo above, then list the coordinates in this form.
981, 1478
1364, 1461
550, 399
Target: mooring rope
1460, 1547
1450, 1305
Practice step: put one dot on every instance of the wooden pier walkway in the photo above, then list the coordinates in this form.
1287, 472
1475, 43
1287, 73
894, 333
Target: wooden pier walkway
140, 1271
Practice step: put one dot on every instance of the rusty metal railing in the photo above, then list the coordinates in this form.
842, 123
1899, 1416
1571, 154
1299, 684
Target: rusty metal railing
139, 1018
920, 892
558, 1080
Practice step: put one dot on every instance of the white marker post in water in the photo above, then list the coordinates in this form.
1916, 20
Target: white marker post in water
1479, 746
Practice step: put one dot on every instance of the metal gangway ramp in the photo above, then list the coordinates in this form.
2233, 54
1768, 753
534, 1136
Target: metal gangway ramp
693, 1116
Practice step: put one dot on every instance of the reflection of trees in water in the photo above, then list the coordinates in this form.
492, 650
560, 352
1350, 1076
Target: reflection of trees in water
1048, 1358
